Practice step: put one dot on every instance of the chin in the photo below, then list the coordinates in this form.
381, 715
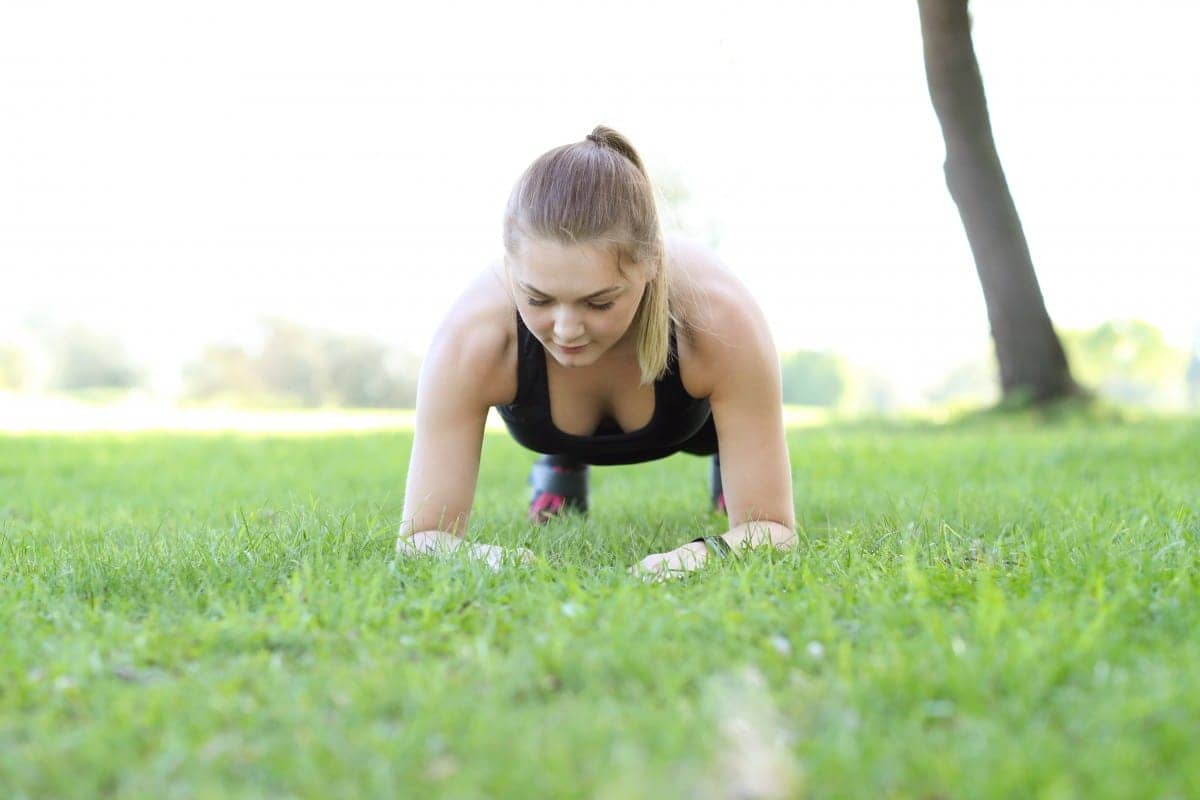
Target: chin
588, 356
575, 360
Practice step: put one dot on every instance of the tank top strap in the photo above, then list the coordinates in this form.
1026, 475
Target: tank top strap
673, 396
531, 364
672, 374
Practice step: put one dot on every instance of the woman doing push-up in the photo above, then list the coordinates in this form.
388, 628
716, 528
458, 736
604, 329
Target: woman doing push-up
600, 341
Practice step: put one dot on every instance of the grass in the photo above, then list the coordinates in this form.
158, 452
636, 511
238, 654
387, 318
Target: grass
1006, 607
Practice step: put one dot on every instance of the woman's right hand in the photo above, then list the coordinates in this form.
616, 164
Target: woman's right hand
441, 542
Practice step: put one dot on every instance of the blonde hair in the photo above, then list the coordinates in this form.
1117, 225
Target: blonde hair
598, 191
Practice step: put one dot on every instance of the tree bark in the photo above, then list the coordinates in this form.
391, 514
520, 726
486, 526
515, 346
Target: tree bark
1030, 355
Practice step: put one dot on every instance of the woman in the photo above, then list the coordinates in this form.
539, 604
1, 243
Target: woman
600, 341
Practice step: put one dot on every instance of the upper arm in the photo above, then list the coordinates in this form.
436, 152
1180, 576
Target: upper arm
747, 406
453, 397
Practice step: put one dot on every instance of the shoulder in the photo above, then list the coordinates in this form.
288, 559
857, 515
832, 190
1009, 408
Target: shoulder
726, 331
475, 343
710, 296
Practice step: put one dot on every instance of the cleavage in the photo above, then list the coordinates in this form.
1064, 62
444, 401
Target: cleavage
579, 406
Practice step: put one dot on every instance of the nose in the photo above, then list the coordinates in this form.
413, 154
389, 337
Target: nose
568, 326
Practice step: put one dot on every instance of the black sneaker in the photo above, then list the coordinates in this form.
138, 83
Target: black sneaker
559, 485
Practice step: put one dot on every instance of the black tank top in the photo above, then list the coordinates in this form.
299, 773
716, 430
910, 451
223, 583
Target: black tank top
677, 420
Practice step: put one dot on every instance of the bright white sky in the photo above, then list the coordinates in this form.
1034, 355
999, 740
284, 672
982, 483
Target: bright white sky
173, 172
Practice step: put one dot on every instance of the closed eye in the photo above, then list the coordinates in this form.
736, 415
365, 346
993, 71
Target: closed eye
536, 302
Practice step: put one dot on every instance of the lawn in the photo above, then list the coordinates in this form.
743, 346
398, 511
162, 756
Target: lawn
998, 608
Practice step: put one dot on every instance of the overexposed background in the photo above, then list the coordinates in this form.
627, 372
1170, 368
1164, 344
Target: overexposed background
174, 173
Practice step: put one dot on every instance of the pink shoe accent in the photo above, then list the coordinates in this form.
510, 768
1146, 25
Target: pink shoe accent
546, 505
721, 504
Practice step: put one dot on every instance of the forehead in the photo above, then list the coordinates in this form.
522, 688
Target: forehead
550, 266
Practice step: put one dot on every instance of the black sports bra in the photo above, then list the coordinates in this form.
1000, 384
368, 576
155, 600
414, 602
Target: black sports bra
677, 418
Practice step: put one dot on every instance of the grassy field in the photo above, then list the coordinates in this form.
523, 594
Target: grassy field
1001, 608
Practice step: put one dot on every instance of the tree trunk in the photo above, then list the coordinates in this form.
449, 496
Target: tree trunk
1029, 353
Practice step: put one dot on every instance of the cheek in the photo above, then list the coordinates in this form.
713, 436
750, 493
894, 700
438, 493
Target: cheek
540, 322
622, 320
619, 325
612, 324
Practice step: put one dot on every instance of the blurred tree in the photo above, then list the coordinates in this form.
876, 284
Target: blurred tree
867, 391
1030, 355
223, 372
293, 363
972, 382
1129, 361
84, 359
302, 366
365, 373
14, 368
812, 378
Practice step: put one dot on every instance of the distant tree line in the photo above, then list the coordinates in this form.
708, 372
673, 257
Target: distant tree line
86, 359
296, 366
14, 368
1127, 361
76, 359
827, 380
302, 367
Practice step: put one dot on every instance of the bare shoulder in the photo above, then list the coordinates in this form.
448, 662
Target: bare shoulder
476, 340
711, 297
725, 324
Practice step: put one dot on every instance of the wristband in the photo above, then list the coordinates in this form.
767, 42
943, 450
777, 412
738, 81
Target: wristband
716, 545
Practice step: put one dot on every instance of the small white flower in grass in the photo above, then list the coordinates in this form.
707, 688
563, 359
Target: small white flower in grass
815, 650
781, 645
570, 609
958, 646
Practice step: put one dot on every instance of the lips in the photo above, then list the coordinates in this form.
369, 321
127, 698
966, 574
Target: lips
574, 349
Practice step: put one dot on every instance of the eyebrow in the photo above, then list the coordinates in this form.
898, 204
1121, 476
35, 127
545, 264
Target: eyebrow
529, 288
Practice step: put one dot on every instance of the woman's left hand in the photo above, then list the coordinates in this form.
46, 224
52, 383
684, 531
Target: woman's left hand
675, 564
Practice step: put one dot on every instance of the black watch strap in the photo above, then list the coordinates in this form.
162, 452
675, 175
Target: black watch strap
716, 545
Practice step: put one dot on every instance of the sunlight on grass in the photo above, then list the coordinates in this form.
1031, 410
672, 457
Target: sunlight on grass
1000, 608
